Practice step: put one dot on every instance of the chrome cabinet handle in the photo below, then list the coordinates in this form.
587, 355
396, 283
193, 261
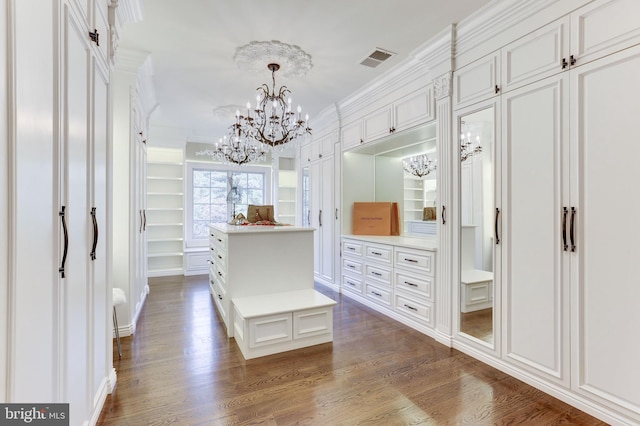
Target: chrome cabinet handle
565, 211
496, 226
65, 231
95, 234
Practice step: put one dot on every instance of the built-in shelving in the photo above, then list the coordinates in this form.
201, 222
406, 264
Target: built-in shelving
165, 212
287, 190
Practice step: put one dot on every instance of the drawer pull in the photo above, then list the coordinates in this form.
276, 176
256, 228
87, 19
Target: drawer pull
376, 293
351, 266
219, 273
376, 253
220, 297
410, 260
219, 240
377, 274
212, 249
350, 283
410, 307
351, 248
411, 284
219, 257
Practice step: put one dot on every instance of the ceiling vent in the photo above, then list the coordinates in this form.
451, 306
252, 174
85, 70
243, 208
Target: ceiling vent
376, 57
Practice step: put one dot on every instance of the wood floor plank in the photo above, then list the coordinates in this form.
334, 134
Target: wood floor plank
181, 369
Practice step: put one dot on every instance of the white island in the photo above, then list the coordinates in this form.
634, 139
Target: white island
267, 267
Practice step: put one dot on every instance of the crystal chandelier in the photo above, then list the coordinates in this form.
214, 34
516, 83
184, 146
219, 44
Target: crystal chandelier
238, 149
272, 123
468, 148
420, 165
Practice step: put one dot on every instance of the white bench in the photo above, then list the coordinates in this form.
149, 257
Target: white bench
271, 323
476, 290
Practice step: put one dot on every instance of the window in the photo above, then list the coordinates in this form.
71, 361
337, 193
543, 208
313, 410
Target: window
217, 194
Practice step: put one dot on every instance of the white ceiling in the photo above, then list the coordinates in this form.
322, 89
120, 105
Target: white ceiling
192, 44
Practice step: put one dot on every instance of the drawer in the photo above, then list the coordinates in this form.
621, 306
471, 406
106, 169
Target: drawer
420, 260
220, 299
351, 266
352, 284
419, 285
378, 295
379, 253
352, 248
417, 310
378, 273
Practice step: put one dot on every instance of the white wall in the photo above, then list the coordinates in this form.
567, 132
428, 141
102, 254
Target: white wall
4, 201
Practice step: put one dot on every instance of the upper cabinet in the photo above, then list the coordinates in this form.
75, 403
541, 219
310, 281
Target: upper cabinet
404, 113
576, 39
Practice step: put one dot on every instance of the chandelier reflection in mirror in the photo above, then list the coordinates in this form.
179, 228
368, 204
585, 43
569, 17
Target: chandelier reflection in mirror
469, 149
272, 123
419, 166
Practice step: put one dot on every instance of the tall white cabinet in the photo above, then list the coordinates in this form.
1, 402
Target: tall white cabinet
57, 164
565, 96
133, 100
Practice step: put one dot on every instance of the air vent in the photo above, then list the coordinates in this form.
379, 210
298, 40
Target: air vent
376, 57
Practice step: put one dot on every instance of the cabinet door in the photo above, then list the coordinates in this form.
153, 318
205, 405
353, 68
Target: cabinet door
605, 290
604, 27
378, 124
535, 56
327, 220
315, 196
477, 81
305, 153
352, 135
414, 109
74, 310
534, 191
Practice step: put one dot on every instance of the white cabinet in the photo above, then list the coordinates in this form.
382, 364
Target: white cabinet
54, 160
164, 214
321, 214
477, 81
392, 275
602, 239
409, 111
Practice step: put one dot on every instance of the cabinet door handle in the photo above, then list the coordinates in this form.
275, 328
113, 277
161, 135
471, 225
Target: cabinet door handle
319, 217
443, 215
308, 217
565, 64
65, 231
496, 226
140, 230
95, 234
572, 60
565, 211
572, 229
496, 89
410, 307
144, 222
336, 214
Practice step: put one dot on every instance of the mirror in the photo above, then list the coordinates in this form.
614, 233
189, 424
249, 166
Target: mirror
386, 160
477, 207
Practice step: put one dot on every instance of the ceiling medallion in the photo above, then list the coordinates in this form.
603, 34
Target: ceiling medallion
294, 62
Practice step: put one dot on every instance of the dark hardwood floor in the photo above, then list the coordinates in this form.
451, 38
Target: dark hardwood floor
181, 369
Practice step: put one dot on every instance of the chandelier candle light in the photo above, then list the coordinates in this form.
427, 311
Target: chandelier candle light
273, 123
469, 149
239, 150
420, 165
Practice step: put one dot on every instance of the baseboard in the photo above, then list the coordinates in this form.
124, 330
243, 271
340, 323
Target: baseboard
99, 399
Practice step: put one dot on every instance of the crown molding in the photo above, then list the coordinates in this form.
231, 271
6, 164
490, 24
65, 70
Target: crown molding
126, 11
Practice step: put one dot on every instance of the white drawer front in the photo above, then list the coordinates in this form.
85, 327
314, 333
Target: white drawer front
420, 285
419, 311
378, 273
352, 284
351, 266
414, 259
379, 253
352, 248
378, 295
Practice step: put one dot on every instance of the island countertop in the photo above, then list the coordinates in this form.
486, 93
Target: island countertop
246, 229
